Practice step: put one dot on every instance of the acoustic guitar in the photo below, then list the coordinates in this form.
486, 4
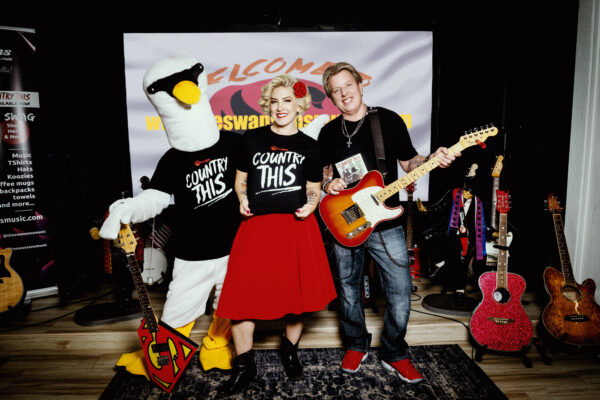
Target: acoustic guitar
167, 352
352, 214
11, 285
500, 322
572, 316
414, 260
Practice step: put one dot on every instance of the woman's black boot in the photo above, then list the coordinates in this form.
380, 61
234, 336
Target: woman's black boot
289, 359
244, 371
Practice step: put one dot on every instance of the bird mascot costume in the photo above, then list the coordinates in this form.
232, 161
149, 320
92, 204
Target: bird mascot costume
198, 171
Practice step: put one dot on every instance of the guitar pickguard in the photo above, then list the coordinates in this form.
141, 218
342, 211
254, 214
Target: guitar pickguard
373, 211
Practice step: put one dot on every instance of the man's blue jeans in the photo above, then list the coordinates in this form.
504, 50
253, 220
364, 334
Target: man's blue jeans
396, 284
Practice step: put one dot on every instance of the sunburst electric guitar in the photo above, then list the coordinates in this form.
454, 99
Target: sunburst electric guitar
167, 351
572, 316
352, 214
11, 285
500, 322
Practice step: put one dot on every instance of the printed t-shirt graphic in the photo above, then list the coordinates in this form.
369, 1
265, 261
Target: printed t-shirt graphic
278, 167
201, 183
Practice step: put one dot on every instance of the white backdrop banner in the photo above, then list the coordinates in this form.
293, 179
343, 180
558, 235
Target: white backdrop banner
396, 68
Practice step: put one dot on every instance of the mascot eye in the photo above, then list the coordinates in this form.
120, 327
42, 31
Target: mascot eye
167, 83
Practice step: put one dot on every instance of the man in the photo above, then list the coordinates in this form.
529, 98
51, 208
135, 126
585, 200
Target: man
347, 142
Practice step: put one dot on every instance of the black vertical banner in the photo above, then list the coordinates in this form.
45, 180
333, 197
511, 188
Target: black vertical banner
22, 227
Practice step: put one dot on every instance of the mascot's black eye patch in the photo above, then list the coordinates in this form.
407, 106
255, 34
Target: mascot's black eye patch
167, 83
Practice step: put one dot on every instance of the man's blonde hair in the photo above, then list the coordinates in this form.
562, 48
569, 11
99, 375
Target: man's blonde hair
335, 69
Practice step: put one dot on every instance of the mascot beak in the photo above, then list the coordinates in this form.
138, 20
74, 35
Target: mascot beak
187, 92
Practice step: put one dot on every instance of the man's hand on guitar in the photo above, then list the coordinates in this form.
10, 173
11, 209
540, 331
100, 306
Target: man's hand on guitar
445, 157
335, 186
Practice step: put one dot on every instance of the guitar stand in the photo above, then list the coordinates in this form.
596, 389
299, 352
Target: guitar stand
480, 350
542, 350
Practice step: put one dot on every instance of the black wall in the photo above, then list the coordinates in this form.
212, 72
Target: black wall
502, 64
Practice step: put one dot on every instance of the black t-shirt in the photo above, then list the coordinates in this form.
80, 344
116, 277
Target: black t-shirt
352, 162
278, 167
206, 215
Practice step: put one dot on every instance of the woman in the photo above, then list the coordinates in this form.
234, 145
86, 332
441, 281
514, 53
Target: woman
277, 267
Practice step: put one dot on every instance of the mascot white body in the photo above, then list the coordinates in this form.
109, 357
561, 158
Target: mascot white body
177, 87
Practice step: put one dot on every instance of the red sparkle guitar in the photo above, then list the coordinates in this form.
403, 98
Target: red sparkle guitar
572, 315
167, 352
352, 214
414, 260
500, 322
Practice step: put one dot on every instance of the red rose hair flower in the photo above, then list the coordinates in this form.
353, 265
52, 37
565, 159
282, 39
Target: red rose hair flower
299, 90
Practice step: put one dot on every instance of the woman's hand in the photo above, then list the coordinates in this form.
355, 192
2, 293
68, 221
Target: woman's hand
313, 189
245, 207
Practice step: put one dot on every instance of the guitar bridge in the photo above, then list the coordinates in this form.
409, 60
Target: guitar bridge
163, 360
352, 213
501, 321
358, 230
576, 318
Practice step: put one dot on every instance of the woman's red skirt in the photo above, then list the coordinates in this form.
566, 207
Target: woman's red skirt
277, 266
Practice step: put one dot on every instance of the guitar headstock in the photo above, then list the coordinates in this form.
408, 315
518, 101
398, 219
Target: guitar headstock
497, 167
410, 189
127, 239
553, 204
503, 204
477, 137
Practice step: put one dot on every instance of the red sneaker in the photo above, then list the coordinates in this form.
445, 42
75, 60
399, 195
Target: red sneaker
352, 360
404, 369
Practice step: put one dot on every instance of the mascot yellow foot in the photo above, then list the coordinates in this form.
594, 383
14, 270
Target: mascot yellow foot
216, 351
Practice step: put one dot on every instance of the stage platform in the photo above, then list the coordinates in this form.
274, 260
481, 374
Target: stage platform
47, 355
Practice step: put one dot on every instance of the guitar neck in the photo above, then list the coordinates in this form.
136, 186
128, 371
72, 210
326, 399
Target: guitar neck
412, 176
143, 297
409, 225
563, 251
502, 268
495, 187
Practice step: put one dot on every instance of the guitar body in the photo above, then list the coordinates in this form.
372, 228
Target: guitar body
352, 215
11, 285
501, 326
167, 353
414, 262
572, 316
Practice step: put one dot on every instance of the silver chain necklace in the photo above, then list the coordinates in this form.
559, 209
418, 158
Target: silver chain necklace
345, 130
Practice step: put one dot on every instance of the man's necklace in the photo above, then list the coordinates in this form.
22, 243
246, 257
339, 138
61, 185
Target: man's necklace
349, 135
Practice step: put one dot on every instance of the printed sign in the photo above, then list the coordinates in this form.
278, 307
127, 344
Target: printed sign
396, 68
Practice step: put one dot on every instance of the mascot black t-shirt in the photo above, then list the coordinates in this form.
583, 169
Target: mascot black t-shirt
278, 167
206, 206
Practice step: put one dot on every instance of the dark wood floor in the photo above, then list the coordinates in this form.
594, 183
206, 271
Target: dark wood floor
47, 355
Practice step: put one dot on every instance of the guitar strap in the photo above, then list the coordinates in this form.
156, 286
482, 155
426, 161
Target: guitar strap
377, 139
479, 221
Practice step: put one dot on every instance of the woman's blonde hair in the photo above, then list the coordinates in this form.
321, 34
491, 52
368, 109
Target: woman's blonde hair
286, 81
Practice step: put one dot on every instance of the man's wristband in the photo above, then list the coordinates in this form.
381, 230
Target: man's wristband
324, 186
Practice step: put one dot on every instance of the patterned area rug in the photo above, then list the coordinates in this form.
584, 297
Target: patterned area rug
449, 374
